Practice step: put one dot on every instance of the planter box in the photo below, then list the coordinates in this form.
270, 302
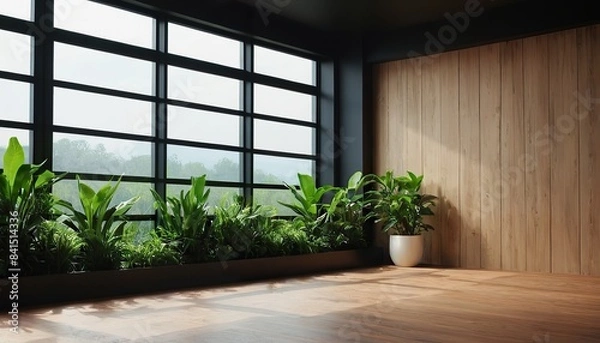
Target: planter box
60, 288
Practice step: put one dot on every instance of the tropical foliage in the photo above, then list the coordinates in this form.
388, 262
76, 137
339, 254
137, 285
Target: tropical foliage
183, 220
92, 229
99, 225
399, 205
24, 191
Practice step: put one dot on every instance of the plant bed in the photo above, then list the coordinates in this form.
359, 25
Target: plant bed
60, 288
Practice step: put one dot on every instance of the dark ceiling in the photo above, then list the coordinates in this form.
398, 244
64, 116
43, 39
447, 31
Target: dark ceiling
366, 15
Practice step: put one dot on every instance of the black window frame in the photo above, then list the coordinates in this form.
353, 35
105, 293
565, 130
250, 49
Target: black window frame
42, 127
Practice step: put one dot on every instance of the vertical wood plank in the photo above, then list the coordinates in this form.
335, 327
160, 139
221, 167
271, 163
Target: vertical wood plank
588, 116
397, 110
514, 232
537, 162
470, 186
564, 135
491, 187
431, 145
448, 203
412, 143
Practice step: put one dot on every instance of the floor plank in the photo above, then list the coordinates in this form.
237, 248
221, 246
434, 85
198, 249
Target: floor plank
386, 304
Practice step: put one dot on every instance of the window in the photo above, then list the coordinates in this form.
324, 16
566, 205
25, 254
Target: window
102, 112
15, 52
156, 99
203, 126
100, 155
218, 165
204, 46
91, 18
203, 88
275, 170
101, 69
16, 100
283, 103
275, 136
20, 9
285, 66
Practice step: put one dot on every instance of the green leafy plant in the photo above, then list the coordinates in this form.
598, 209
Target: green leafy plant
99, 225
240, 228
59, 247
398, 204
284, 237
308, 199
346, 215
151, 252
24, 191
184, 220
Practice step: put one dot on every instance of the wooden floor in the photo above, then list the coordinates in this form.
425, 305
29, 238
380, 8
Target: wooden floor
386, 304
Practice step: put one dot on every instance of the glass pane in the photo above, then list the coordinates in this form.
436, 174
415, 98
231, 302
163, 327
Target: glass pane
276, 170
283, 137
272, 197
218, 165
15, 98
202, 88
203, 126
15, 52
24, 138
102, 69
285, 66
204, 46
102, 112
67, 190
283, 103
99, 155
91, 18
16, 8
217, 194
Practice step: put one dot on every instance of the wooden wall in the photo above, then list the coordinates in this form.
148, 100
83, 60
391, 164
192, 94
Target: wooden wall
508, 136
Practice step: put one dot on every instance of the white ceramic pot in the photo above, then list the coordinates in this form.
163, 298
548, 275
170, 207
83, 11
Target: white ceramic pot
406, 251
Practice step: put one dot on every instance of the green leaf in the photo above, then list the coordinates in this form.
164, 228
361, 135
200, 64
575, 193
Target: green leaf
355, 179
14, 157
86, 197
44, 179
21, 182
307, 185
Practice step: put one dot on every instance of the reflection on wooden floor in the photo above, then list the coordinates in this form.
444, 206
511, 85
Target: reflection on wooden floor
386, 304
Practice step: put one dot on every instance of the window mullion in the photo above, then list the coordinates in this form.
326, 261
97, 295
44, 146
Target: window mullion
43, 60
160, 119
248, 125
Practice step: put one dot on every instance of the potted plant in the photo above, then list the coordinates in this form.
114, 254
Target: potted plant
400, 208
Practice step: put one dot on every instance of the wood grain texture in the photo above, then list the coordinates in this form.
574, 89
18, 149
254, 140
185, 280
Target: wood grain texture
519, 138
398, 112
431, 140
413, 135
514, 234
448, 203
386, 304
470, 163
491, 186
537, 161
588, 115
564, 135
